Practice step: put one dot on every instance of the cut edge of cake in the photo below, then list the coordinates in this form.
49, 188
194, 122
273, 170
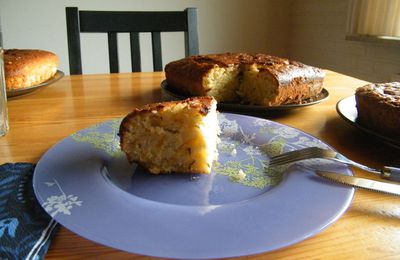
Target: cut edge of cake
172, 137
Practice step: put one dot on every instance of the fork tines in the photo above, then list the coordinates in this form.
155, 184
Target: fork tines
293, 156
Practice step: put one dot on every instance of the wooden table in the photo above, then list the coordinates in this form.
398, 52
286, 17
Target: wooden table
369, 229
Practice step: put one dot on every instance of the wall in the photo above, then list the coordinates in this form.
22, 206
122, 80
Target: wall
224, 25
311, 31
317, 37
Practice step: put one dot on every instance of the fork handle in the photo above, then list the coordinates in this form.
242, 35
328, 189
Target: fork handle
391, 173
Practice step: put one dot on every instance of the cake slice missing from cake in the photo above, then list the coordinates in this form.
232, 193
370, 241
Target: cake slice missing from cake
172, 137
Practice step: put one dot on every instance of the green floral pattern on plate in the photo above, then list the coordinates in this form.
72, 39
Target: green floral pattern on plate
243, 151
104, 140
246, 149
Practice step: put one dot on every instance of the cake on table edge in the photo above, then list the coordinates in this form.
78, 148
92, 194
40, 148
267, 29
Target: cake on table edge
255, 79
25, 68
172, 137
378, 108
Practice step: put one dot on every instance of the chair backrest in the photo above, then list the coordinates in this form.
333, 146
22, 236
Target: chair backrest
134, 22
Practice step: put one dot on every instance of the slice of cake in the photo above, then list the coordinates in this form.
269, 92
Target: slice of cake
25, 68
258, 79
274, 81
378, 107
172, 137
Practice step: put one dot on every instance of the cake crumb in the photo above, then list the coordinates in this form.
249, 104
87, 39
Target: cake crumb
241, 175
193, 178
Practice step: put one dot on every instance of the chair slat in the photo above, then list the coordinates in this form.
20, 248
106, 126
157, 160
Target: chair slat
135, 52
191, 35
114, 21
74, 40
157, 55
113, 52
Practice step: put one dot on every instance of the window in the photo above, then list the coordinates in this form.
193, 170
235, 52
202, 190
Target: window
374, 20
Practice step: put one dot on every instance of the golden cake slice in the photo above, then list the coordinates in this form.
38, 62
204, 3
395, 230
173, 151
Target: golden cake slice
24, 68
172, 137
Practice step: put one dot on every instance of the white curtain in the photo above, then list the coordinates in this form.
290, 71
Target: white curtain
374, 18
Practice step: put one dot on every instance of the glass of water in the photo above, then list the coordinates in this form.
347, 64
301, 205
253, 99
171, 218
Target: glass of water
3, 92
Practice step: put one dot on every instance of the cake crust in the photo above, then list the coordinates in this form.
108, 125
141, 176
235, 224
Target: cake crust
25, 67
292, 81
204, 104
378, 107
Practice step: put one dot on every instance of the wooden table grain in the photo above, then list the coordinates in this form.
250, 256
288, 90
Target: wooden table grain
370, 229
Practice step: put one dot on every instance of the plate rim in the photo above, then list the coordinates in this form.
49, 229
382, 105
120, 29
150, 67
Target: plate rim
21, 91
347, 199
250, 108
351, 99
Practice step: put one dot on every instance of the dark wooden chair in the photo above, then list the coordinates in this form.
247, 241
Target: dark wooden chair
134, 22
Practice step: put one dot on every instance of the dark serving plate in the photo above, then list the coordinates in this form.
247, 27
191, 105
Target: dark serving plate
346, 109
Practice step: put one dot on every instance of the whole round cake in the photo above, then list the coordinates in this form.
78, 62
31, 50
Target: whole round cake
24, 68
378, 107
256, 79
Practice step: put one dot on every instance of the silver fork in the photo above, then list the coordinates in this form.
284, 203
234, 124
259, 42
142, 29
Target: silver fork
386, 172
